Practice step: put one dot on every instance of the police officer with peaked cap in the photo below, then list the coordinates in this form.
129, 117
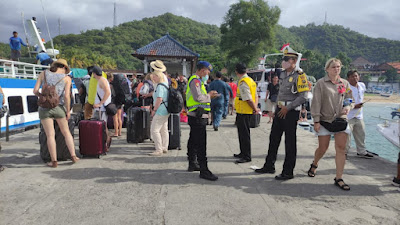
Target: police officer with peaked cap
198, 104
293, 90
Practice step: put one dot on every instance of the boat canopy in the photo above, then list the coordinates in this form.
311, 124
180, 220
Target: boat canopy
78, 73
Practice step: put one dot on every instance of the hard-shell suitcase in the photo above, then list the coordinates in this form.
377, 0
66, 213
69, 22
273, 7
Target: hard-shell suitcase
174, 131
61, 147
255, 120
138, 125
92, 138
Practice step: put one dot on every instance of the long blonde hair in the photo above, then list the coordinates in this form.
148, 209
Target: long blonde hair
160, 75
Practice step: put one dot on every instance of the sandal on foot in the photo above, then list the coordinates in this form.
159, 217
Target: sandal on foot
52, 164
75, 159
2, 168
344, 186
310, 172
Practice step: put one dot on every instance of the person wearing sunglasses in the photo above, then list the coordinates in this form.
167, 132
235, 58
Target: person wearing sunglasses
293, 90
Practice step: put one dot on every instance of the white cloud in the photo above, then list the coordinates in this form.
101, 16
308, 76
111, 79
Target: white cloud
370, 17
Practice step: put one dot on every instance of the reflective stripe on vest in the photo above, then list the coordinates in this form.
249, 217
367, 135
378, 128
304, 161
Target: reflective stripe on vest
242, 107
190, 102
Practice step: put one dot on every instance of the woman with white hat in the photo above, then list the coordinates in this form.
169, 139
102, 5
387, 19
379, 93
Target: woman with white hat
159, 125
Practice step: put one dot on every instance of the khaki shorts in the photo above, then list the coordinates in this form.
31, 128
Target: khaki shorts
54, 113
271, 106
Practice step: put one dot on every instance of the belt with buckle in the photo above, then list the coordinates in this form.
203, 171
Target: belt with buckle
286, 103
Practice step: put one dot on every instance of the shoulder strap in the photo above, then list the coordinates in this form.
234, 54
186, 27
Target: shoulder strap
162, 84
45, 72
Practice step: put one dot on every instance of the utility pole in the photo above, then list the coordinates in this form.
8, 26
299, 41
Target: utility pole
115, 14
326, 18
59, 26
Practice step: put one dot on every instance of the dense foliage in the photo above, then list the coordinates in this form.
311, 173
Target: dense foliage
248, 30
112, 47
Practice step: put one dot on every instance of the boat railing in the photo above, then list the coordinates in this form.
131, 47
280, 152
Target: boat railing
20, 70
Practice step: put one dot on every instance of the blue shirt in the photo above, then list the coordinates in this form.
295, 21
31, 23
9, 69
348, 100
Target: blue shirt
161, 92
42, 56
15, 43
220, 87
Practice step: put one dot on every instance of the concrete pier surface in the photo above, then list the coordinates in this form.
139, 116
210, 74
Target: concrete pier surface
129, 187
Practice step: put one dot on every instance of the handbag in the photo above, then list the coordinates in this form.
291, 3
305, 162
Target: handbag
111, 108
339, 124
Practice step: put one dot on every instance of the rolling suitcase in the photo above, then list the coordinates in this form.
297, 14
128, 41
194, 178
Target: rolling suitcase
61, 147
174, 131
92, 138
255, 120
138, 125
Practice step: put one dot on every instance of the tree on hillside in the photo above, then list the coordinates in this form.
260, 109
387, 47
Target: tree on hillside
345, 63
248, 30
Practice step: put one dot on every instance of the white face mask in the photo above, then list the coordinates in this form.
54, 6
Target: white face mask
205, 79
285, 64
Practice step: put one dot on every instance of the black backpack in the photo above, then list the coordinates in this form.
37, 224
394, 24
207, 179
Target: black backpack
121, 87
175, 100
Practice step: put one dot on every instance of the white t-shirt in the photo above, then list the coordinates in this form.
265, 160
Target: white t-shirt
358, 96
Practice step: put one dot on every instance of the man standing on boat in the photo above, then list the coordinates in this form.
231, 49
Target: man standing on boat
293, 90
355, 116
15, 44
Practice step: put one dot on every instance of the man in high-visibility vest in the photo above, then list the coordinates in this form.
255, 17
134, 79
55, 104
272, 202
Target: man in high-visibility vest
246, 105
198, 104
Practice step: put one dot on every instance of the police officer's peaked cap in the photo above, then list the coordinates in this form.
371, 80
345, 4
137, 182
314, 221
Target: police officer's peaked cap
288, 51
205, 64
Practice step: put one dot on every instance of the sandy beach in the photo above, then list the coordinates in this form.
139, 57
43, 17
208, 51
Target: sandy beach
380, 99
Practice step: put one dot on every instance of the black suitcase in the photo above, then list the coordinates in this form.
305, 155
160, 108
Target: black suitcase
61, 148
174, 131
137, 125
255, 120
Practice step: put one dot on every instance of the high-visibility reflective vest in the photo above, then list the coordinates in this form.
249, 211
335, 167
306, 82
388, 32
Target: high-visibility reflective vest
242, 107
190, 102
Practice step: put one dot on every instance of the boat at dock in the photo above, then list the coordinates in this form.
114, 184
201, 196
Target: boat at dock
390, 130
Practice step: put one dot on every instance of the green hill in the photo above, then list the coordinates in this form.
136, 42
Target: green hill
112, 47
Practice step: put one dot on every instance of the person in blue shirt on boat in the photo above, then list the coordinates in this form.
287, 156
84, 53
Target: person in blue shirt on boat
218, 103
15, 44
44, 58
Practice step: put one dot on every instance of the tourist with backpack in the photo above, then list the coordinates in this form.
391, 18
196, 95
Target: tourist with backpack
54, 104
159, 125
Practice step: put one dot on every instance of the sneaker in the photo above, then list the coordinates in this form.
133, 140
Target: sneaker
396, 182
366, 156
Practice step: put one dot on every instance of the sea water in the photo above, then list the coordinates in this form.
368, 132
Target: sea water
376, 113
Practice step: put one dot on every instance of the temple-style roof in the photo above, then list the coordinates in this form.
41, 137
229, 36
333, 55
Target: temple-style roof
166, 46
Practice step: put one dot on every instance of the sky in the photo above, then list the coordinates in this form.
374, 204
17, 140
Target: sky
370, 17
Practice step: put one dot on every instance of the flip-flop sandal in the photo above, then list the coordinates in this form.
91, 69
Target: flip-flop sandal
2, 168
344, 186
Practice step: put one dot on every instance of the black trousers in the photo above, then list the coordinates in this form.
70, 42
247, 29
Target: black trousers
289, 126
197, 144
243, 126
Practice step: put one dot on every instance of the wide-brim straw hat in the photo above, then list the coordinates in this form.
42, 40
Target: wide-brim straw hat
158, 65
64, 63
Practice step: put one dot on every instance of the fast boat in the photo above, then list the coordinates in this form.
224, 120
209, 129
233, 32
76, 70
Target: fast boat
18, 79
390, 130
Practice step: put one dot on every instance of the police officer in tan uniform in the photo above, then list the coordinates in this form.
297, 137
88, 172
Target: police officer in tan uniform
293, 88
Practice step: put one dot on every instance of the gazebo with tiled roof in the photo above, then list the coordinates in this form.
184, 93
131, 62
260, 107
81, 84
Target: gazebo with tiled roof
176, 57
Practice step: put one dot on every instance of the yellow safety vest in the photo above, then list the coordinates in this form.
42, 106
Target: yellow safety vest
93, 88
242, 107
190, 102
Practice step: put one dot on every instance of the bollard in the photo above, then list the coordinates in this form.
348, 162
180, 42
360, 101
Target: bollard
7, 126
